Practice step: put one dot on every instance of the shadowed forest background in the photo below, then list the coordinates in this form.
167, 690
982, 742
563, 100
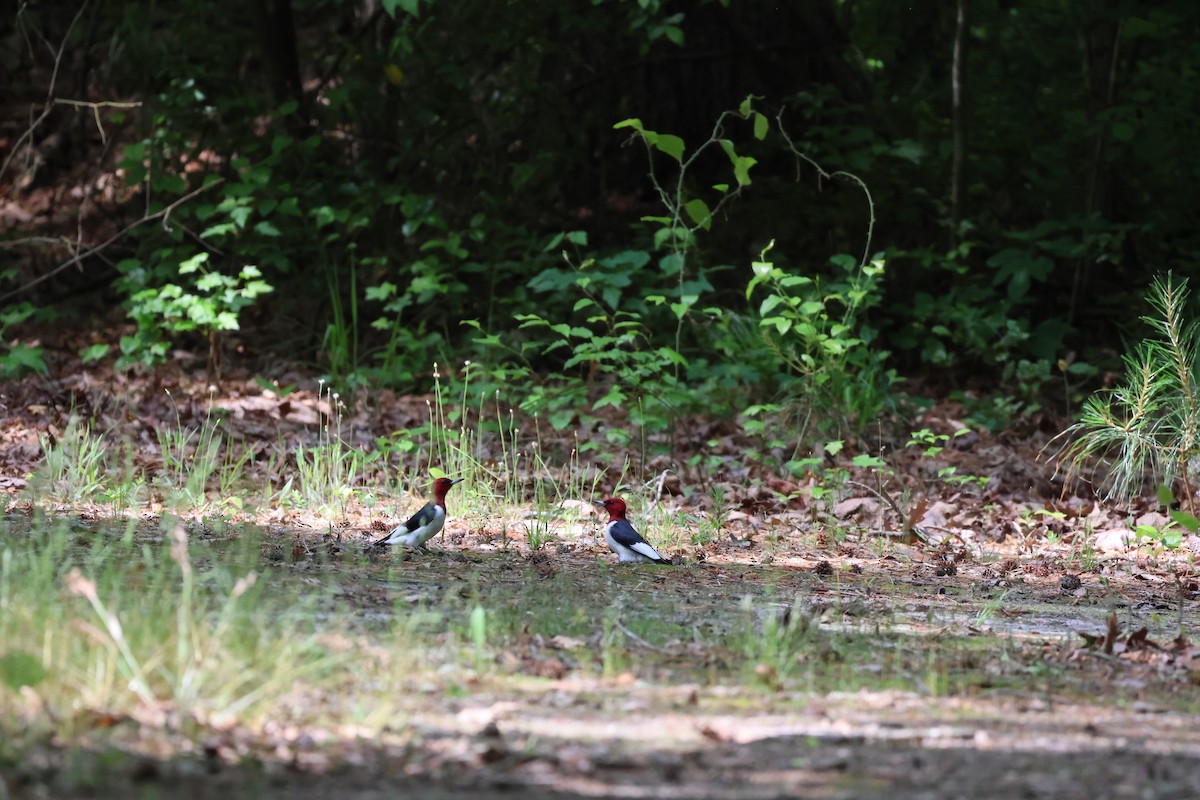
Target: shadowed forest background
372, 187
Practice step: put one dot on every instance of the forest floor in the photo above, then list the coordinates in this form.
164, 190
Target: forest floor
853, 632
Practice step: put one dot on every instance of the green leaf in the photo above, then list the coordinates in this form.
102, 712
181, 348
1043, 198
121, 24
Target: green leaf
192, 264
255, 288
614, 398
681, 309
632, 122
741, 169
239, 215
324, 215
729, 149
94, 353
866, 460
21, 357
381, 292
211, 280
762, 268
741, 164
908, 150
672, 355
761, 125
698, 210
622, 263
1186, 520
18, 668
671, 145
266, 229
218, 231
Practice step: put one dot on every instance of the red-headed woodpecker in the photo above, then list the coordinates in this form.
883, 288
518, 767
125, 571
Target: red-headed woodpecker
422, 525
622, 538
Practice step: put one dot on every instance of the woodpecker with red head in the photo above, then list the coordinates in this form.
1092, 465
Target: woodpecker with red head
423, 525
622, 539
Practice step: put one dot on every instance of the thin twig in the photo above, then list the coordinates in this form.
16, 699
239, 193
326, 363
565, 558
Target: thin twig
164, 214
821, 173
95, 107
885, 497
49, 94
662, 480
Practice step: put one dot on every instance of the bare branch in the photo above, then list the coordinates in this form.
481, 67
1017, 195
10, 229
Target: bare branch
80, 256
49, 94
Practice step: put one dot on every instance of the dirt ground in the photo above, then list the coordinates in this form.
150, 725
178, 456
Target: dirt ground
1046, 752
1056, 718
1059, 665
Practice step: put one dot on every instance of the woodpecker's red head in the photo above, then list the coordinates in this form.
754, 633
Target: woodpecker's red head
615, 507
440, 487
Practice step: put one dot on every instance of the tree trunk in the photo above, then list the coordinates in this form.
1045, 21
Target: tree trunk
958, 120
277, 37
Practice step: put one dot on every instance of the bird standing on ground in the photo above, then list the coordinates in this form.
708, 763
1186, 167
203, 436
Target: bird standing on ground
622, 539
423, 525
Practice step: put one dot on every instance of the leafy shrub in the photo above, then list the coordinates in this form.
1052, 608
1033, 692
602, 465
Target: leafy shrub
819, 333
16, 357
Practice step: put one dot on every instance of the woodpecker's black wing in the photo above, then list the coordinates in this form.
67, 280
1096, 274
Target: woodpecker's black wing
624, 534
423, 517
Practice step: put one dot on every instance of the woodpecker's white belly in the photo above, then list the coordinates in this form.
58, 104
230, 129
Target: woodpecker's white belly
624, 553
423, 533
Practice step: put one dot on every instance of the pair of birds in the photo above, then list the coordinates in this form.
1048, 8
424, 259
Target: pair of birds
620, 535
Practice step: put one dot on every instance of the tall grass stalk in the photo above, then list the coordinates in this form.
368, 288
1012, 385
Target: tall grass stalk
1148, 428
155, 634
189, 458
74, 469
328, 472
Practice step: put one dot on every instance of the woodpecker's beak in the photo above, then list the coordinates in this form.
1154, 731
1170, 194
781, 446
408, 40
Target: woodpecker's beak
457, 480
598, 503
